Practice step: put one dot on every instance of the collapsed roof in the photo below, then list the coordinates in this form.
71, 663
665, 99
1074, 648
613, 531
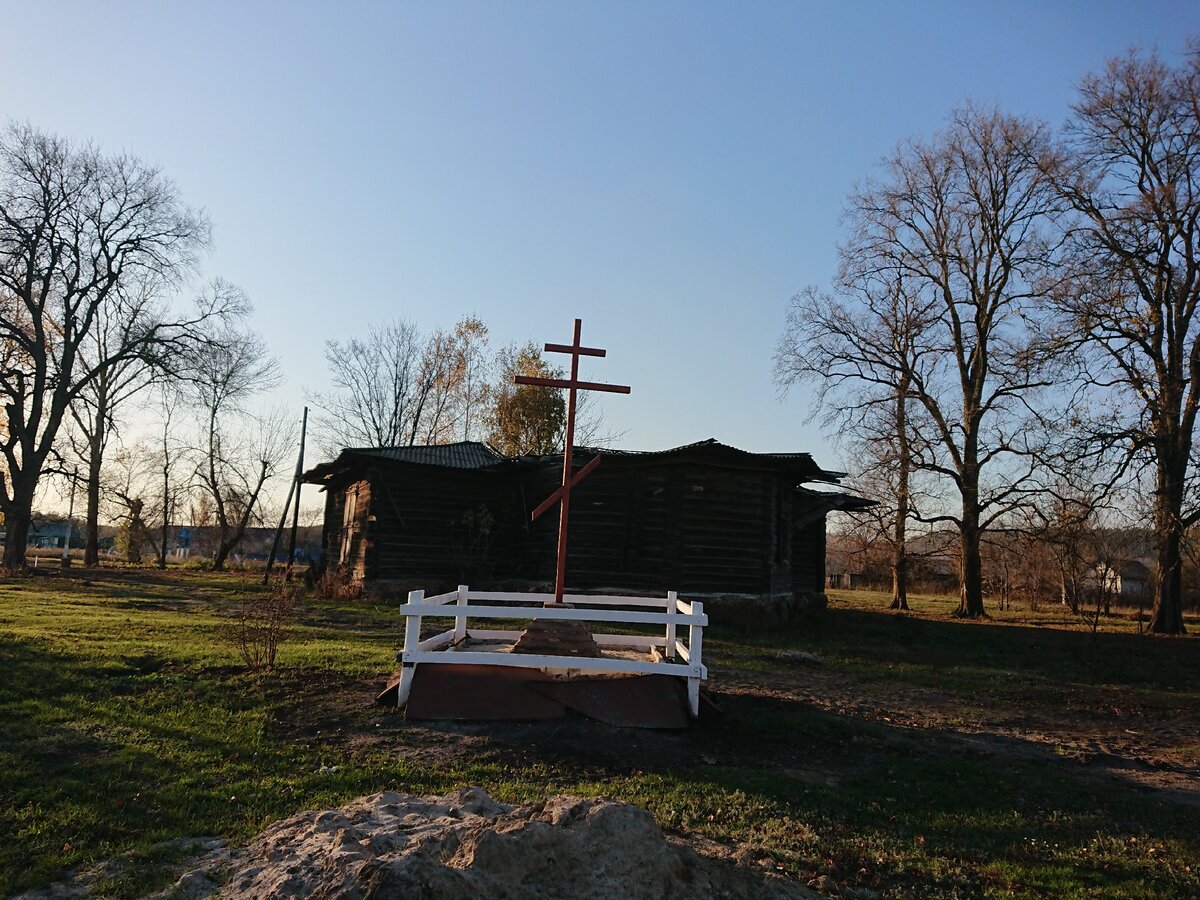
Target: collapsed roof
478, 455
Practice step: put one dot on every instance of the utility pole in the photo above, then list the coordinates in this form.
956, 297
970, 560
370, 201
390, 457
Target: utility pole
294, 491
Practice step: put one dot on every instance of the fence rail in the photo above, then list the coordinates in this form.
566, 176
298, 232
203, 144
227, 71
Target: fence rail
669, 654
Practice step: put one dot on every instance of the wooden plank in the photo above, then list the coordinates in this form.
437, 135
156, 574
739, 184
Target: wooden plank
460, 620
529, 661
492, 634
673, 606
412, 629
644, 701
594, 599
628, 641
549, 612
695, 645
614, 641
438, 640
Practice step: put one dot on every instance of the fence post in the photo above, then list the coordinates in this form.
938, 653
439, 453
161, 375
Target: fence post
460, 618
412, 636
672, 611
695, 660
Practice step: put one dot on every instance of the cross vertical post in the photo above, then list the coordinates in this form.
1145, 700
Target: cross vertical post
560, 575
569, 480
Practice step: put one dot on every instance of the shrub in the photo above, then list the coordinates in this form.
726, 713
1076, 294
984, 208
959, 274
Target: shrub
334, 585
263, 622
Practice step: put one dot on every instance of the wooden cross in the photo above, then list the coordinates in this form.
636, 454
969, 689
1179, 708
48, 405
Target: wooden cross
563, 494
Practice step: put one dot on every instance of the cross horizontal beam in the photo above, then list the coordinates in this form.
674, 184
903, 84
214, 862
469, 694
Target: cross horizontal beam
566, 383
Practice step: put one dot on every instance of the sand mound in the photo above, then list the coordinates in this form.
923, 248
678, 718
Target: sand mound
466, 845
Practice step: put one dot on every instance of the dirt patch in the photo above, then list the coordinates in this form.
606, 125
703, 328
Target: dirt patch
1137, 747
1140, 747
339, 712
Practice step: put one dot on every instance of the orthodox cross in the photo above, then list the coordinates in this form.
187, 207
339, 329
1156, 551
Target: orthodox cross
563, 494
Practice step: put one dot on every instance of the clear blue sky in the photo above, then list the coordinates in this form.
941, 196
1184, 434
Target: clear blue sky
670, 172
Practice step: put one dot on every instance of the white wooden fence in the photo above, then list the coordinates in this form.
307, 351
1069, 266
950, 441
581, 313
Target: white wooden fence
666, 654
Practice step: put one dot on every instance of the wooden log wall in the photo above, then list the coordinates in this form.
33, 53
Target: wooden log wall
664, 525
441, 524
808, 557
636, 524
345, 539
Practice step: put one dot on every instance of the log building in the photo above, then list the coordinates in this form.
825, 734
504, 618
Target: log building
743, 531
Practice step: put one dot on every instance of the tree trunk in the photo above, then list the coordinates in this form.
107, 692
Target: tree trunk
1167, 615
166, 524
223, 550
1070, 590
96, 440
971, 592
900, 553
899, 577
231, 535
18, 518
91, 545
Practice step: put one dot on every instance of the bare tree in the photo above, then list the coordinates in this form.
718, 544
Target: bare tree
884, 471
95, 407
1065, 524
861, 350
960, 220
167, 455
1130, 169
129, 476
436, 411
237, 452
376, 393
398, 388
75, 225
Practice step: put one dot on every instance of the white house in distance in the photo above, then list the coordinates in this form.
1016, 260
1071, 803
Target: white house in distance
1129, 580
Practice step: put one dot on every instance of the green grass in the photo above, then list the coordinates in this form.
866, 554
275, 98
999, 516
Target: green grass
128, 721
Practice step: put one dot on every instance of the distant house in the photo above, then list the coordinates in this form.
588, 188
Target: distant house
843, 580
200, 541
705, 519
937, 571
852, 562
53, 534
1130, 580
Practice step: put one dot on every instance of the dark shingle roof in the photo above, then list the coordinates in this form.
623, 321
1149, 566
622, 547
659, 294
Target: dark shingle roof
802, 465
463, 455
477, 455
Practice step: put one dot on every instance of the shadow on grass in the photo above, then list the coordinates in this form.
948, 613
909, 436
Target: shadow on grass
104, 756
864, 803
95, 760
876, 639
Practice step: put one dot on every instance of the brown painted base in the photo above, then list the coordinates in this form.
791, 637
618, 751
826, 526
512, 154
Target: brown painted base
509, 693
